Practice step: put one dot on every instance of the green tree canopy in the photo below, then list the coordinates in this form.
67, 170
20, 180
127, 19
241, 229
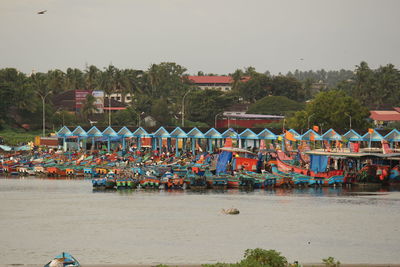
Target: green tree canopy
275, 105
205, 104
332, 109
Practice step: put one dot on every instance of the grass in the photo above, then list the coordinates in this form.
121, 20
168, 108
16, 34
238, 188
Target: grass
14, 137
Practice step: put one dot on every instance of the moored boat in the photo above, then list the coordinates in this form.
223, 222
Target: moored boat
63, 260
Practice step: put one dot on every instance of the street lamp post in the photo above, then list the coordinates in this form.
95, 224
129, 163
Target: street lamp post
109, 110
183, 108
44, 111
308, 121
349, 117
139, 117
215, 119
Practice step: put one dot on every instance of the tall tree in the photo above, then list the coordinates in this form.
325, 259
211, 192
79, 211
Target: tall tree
332, 109
91, 77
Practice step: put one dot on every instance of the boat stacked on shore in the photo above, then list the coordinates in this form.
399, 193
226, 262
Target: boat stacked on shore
228, 168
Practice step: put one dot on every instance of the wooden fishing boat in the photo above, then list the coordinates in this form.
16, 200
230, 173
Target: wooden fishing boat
150, 182
110, 180
196, 182
300, 175
286, 167
63, 260
220, 182
70, 172
233, 182
394, 175
126, 183
51, 171
99, 183
251, 180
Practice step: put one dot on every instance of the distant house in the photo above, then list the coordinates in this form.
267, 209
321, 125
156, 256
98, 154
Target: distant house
119, 97
235, 116
73, 101
384, 117
223, 83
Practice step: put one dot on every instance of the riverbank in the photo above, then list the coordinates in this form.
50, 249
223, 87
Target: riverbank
199, 265
12, 137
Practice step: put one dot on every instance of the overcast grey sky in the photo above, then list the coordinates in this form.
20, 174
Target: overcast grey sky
215, 36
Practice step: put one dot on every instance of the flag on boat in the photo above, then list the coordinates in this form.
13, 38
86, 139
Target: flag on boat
289, 136
228, 142
262, 144
312, 137
315, 128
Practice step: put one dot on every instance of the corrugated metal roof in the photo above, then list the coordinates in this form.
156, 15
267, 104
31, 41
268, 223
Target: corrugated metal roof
253, 116
385, 115
210, 79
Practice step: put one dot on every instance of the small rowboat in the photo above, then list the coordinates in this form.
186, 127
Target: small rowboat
63, 260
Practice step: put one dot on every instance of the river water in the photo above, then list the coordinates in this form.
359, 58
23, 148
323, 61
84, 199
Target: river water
40, 218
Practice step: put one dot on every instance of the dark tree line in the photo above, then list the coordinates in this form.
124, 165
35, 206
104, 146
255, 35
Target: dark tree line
163, 89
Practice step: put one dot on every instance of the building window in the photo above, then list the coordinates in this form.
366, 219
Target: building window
113, 98
118, 98
128, 98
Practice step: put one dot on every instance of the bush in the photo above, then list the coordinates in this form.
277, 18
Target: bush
256, 258
261, 257
331, 262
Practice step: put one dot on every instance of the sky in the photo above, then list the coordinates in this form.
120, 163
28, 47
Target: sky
213, 36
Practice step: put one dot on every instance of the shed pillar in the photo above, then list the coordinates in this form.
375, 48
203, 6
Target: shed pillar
177, 147
64, 144
192, 142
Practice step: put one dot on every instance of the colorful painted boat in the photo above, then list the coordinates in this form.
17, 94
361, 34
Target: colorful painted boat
150, 182
335, 177
126, 183
233, 182
65, 260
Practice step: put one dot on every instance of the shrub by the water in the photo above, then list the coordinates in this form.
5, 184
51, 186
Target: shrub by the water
256, 258
331, 262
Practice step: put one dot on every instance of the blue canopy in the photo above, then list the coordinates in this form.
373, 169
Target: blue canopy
223, 160
318, 163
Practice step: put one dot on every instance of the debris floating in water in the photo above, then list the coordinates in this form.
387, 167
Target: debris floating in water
231, 211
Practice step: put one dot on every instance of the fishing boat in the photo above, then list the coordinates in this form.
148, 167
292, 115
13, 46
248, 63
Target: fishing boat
126, 183
233, 182
110, 180
303, 176
63, 260
394, 175
172, 181
250, 180
220, 181
195, 181
150, 182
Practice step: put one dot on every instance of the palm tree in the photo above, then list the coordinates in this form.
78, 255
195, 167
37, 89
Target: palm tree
91, 77
56, 80
74, 79
236, 78
88, 107
153, 78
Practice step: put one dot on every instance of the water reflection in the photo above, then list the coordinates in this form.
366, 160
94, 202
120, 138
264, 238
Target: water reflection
40, 217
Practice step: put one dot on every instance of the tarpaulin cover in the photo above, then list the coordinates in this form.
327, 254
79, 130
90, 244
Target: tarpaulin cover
23, 148
223, 160
5, 148
318, 163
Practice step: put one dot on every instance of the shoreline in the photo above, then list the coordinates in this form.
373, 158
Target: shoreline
200, 265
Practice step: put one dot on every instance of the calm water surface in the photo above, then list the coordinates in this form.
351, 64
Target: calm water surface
40, 218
